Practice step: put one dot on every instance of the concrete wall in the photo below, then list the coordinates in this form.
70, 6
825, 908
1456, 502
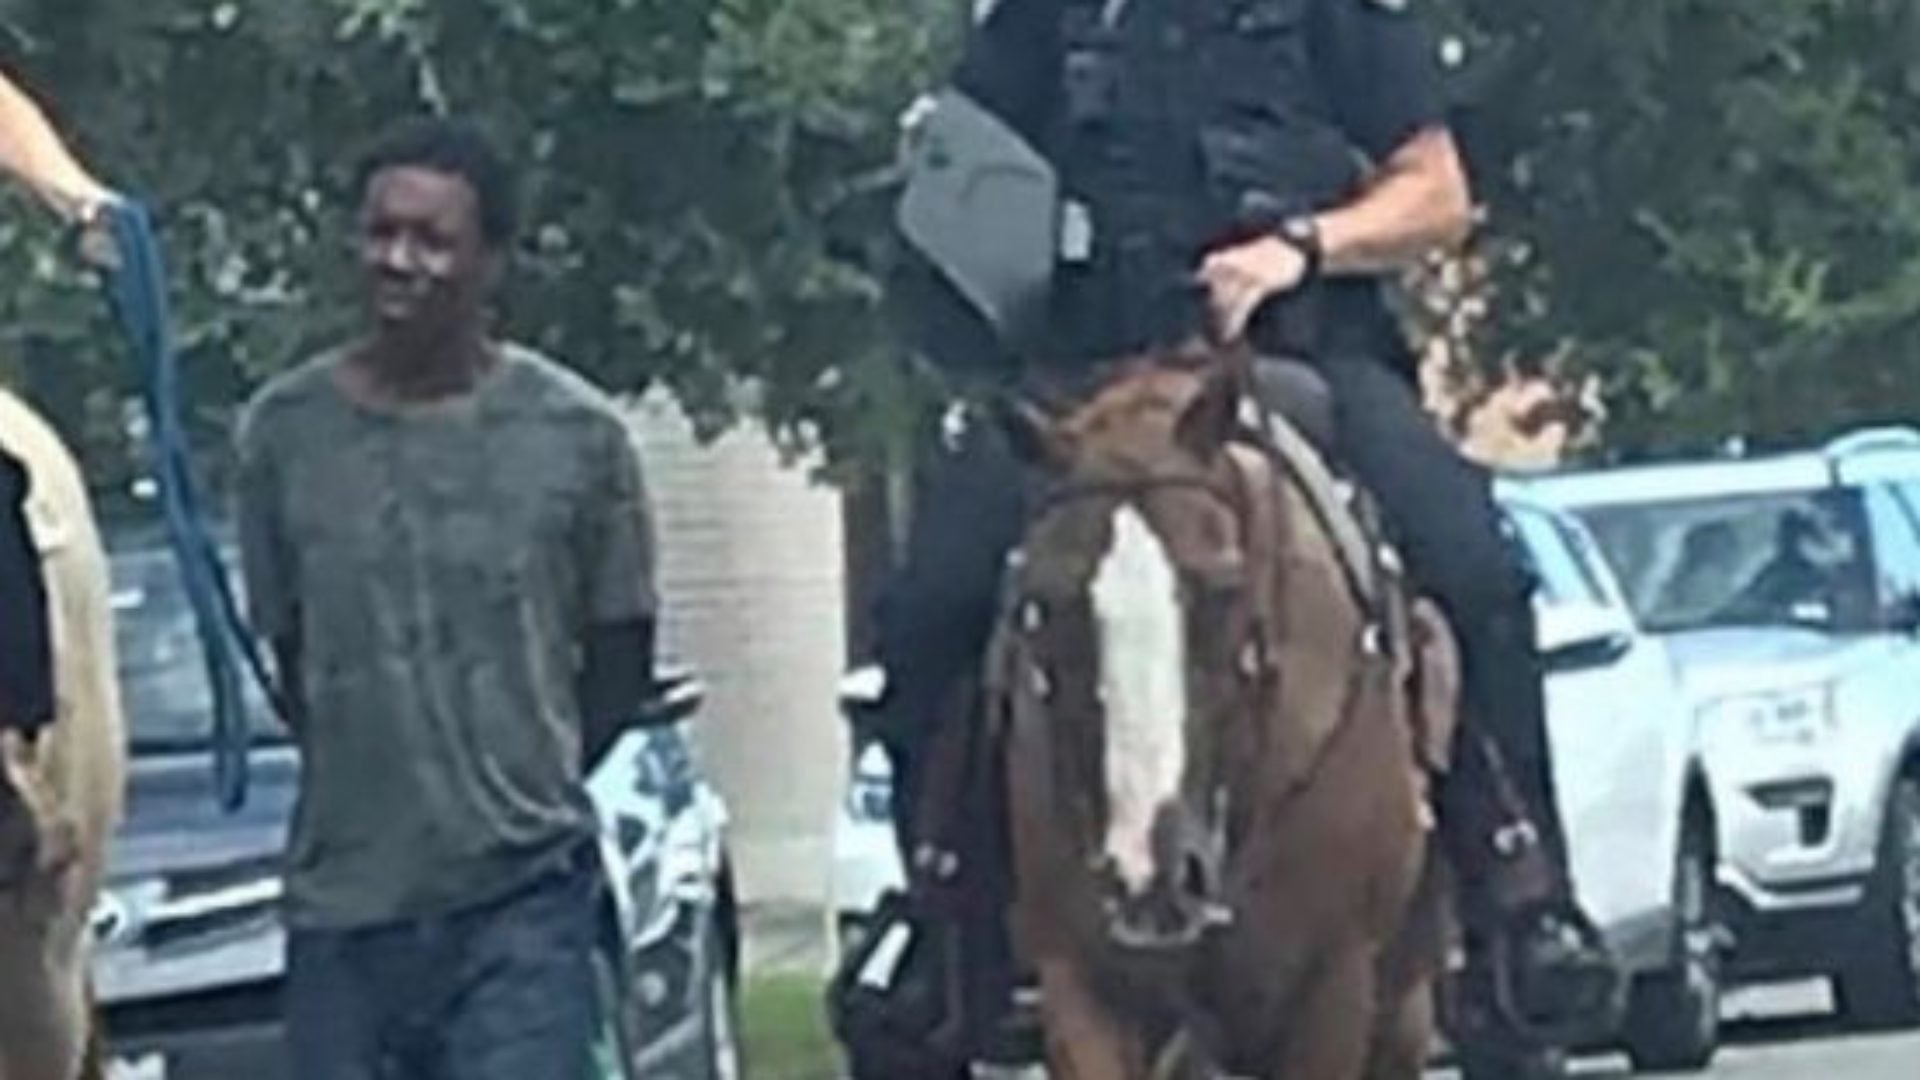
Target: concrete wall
751, 574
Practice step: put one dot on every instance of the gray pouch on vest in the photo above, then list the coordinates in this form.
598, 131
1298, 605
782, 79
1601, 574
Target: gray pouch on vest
982, 206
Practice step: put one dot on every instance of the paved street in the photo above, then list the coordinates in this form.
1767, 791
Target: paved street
1787, 1034
1778, 1035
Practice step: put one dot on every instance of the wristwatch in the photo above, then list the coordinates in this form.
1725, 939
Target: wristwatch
1302, 233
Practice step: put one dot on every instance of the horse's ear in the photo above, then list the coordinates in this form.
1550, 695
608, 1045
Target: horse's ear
1031, 434
1213, 416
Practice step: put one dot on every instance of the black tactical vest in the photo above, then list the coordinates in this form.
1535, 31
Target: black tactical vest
1182, 124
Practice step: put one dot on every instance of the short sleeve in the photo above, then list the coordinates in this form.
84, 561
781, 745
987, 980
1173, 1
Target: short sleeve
618, 534
1380, 60
267, 563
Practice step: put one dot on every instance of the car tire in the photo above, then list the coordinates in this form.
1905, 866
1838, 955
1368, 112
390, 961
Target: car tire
613, 1042
1879, 986
1673, 1016
720, 1009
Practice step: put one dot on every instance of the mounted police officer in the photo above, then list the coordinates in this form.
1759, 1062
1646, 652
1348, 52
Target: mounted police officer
1107, 176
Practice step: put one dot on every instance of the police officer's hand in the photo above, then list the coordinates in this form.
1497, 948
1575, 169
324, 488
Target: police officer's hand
1242, 277
94, 232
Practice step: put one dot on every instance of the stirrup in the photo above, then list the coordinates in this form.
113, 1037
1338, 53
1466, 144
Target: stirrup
1572, 1030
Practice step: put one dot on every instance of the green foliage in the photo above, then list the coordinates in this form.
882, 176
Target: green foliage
691, 164
1711, 206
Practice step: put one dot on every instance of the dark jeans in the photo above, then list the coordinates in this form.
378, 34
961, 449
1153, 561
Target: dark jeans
938, 613
26, 657
500, 992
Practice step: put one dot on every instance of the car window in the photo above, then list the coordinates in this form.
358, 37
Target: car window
1586, 560
1790, 558
1909, 495
163, 674
1562, 579
1896, 546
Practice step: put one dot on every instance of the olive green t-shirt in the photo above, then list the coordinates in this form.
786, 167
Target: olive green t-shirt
440, 566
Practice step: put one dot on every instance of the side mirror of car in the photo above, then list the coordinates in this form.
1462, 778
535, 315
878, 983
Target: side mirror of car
1575, 637
863, 694
1903, 613
677, 695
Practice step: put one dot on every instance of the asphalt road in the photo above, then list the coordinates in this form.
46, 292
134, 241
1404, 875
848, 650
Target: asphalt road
1788, 1033
1775, 1034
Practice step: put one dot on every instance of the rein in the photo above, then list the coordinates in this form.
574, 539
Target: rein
137, 295
1060, 496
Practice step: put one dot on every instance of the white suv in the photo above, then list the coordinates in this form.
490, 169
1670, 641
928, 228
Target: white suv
1788, 587
1639, 817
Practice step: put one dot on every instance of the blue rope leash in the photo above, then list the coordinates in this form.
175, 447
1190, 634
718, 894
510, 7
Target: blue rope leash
137, 293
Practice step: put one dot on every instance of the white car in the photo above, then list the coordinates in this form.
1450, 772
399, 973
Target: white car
671, 948
1788, 588
1639, 815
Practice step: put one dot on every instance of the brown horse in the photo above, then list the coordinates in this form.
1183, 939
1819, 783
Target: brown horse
60, 797
1222, 852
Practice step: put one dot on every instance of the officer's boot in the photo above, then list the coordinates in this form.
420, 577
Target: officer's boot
1540, 963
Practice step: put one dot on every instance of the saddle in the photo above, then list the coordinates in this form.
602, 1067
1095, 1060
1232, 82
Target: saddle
1413, 627
1488, 834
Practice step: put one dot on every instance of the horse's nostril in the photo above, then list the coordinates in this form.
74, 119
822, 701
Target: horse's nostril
1196, 878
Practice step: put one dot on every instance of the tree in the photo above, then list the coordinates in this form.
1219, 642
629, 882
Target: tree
696, 171
1709, 206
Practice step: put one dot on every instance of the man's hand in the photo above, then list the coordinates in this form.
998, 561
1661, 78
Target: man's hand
1241, 278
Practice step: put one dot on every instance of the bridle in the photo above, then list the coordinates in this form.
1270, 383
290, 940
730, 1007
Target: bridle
1022, 674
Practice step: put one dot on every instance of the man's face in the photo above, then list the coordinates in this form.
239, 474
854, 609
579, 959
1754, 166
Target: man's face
428, 266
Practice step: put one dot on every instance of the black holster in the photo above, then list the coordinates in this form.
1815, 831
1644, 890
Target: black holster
26, 645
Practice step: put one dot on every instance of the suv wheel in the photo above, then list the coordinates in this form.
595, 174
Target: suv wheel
1673, 1016
1880, 985
613, 1043
719, 1021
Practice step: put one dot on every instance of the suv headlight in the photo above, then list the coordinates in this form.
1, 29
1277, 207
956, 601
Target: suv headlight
1803, 716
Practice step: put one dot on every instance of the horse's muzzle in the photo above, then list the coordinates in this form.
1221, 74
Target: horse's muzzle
1182, 904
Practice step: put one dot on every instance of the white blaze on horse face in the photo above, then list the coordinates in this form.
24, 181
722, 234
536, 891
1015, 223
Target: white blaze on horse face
1143, 690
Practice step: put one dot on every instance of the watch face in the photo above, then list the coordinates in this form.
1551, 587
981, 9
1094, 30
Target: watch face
1300, 232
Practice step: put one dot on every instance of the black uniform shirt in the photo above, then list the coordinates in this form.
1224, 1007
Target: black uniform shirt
1378, 61
1380, 76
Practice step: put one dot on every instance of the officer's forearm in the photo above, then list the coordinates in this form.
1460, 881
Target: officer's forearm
616, 682
33, 152
1418, 202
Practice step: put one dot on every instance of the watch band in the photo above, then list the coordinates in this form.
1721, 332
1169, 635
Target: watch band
1302, 233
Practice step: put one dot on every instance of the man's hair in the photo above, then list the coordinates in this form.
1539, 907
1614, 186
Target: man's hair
455, 148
